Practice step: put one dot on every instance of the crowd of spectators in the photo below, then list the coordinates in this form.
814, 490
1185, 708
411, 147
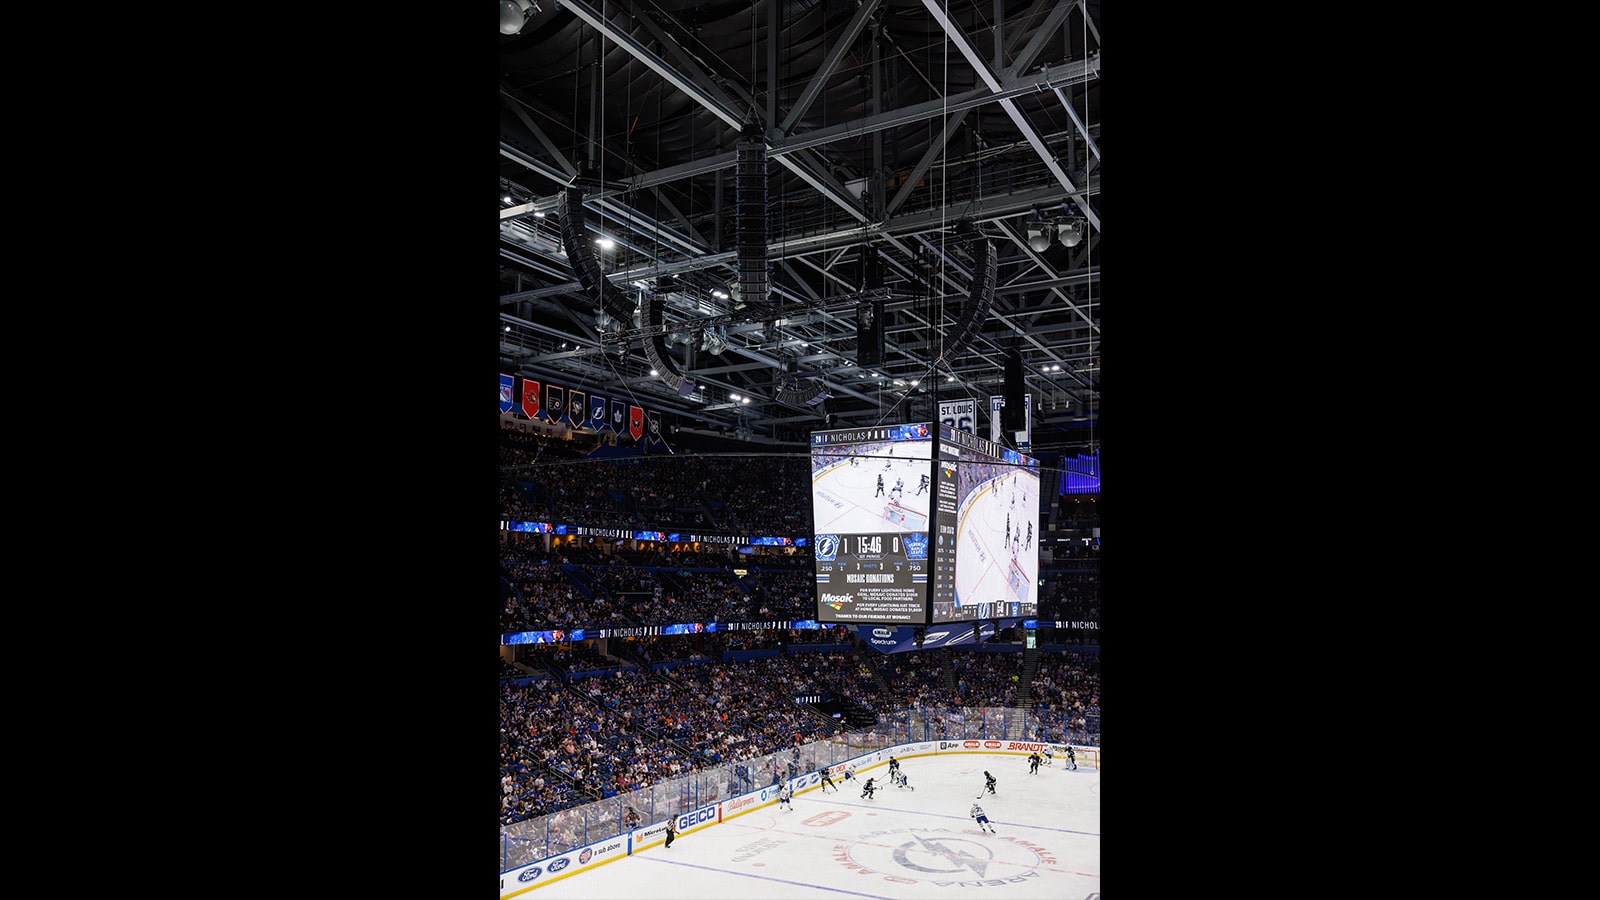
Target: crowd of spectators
568, 739
987, 679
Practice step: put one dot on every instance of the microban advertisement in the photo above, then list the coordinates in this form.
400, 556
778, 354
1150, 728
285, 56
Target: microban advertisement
871, 501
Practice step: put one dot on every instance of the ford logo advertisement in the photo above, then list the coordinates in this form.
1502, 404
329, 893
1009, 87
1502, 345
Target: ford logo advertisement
530, 874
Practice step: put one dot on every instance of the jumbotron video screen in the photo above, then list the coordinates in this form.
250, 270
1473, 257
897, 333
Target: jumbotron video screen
987, 535
871, 501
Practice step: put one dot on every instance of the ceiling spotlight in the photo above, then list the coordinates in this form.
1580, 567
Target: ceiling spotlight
746, 400
505, 198
605, 243
515, 13
508, 329
538, 214
1070, 232
652, 373
1039, 236
733, 396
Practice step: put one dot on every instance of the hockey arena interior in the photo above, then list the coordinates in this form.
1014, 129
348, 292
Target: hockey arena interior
799, 449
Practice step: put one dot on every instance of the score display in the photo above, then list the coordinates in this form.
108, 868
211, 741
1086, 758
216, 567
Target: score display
986, 541
871, 503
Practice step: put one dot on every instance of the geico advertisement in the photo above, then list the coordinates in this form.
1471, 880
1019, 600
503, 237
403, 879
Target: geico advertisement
698, 818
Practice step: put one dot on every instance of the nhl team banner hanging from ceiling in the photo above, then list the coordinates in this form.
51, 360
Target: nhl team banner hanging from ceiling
619, 415
554, 403
655, 426
507, 401
597, 412
635, 421
578, 403
530, 399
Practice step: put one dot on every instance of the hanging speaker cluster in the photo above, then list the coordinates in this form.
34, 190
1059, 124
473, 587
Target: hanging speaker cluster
809, 394
980, 296
609, 298
750, 216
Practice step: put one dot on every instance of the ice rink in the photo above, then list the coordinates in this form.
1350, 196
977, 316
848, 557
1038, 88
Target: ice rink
989, 567
846, 497
900, 845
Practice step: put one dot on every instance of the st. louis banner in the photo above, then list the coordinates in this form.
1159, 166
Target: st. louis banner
507, 399
597, 412
962, 415
530, 399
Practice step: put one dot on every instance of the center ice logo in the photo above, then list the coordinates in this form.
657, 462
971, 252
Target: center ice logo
944, 857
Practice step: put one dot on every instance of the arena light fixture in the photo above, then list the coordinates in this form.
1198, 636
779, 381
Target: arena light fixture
515, 13
1039, 236
1069, 232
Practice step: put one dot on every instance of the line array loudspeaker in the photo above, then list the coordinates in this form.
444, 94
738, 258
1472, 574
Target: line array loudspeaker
1013, 416
607, 296
976, 310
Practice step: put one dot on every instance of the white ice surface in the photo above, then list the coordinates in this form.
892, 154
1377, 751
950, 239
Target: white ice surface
901, 845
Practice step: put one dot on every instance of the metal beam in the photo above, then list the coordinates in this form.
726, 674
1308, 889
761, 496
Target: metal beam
959, 38
836, 54
642, 53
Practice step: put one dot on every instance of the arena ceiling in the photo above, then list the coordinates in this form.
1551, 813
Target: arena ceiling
910, 132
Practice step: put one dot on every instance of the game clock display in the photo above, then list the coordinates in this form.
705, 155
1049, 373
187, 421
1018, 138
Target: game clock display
871, 494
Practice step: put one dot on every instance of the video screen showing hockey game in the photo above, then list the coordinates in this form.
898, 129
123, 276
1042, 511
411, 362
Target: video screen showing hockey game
989, 499
871, 497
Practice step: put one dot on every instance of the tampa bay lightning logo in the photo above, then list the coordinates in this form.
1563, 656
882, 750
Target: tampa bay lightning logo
827, 547
916, 545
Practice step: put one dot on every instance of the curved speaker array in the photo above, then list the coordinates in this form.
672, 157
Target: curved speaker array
608, 296
976, 310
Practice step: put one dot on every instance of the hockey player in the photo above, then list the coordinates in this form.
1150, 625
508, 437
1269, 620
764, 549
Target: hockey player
867, 789
1049, 755
922, 485
1028, 544
899, 488
1033, 763
785, 794
827, 782
899, 780
880, 486
983, 819
988, 785
1072, 757
850, 772
894, 765
672, 829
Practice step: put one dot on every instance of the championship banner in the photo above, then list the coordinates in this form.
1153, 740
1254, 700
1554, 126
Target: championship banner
554, 403
597, 412
635, 422
507, 382
530, 399
578, 403
1025, 436
655, 426
962, 415
618, 415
